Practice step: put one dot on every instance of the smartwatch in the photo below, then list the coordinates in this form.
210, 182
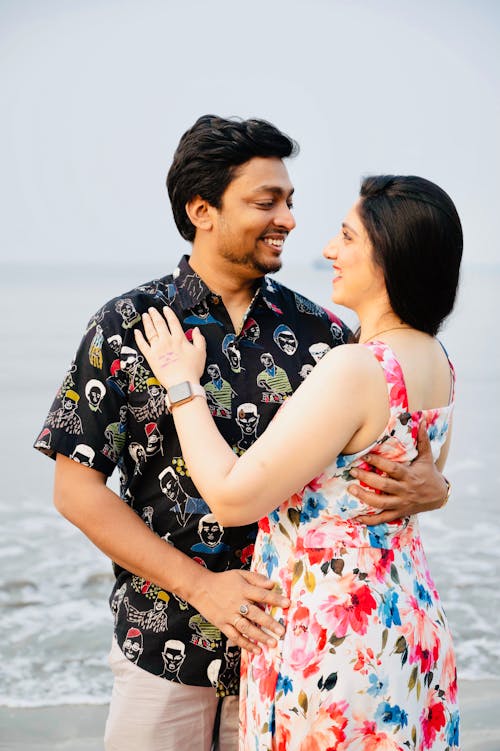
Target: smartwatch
181, 393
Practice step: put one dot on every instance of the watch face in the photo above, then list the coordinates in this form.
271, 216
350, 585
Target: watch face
179, 392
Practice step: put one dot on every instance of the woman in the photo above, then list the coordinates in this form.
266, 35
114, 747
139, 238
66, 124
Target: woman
366, 661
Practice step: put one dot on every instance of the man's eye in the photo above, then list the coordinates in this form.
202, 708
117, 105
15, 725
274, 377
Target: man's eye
265, 204
346, 235
290, 205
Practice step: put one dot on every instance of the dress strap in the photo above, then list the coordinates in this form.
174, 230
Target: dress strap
396, 386
453, 378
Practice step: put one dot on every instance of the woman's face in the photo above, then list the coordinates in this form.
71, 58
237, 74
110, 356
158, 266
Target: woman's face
358, 279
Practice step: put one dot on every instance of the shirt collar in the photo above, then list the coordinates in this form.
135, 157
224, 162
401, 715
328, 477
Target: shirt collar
192, 289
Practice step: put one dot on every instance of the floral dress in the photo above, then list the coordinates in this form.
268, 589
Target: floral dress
366, 662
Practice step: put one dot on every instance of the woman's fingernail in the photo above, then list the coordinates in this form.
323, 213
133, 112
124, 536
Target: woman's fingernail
353, 490
353, 472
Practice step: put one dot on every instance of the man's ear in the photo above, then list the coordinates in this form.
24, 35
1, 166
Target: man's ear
199, 212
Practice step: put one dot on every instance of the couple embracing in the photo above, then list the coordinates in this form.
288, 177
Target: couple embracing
250, 429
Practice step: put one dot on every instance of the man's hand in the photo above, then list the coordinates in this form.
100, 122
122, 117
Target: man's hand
405, 490
219, 599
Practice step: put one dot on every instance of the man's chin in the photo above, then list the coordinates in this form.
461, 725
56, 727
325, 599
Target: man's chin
269, 267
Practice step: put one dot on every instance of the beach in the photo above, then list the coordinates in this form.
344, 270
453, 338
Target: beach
54, 584
81, 727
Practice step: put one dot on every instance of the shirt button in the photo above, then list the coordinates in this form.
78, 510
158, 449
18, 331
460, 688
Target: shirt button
215, 299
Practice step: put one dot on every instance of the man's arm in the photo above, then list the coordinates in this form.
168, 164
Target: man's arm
404, 489
81, 495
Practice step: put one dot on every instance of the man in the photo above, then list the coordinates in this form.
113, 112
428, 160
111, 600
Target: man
232, 198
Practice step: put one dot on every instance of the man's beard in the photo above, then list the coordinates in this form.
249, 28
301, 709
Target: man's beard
251, 262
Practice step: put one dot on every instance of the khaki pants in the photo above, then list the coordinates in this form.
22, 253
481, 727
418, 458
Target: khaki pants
148, 713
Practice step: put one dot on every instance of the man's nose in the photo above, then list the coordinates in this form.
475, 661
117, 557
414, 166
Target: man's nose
284, 218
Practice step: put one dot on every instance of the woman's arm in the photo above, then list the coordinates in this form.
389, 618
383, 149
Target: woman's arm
312, 428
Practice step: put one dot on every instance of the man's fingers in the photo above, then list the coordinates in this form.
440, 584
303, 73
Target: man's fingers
378, 482
423, 442
383, 518
372, 499
392, 469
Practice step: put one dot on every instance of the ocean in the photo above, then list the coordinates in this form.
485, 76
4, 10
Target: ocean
54, 584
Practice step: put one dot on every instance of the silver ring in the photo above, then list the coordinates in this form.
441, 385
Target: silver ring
244, 609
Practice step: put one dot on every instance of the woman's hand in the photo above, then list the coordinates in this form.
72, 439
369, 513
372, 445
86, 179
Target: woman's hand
170, 355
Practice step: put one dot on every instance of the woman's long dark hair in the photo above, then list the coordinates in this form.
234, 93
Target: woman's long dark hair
417, 240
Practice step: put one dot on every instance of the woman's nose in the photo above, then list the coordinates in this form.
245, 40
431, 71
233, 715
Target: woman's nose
330, 249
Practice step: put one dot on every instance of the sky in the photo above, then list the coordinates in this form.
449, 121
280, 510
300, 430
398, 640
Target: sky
96, 94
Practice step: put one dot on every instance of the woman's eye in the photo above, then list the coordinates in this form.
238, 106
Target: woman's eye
345, 235
265, 204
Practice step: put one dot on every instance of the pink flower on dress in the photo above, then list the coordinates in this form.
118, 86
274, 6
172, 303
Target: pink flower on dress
264, 674
377, 560
432, 719
449, 676
368, 738
339, 613
309, 640
421, 636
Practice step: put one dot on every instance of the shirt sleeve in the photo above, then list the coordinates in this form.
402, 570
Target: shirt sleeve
88, 418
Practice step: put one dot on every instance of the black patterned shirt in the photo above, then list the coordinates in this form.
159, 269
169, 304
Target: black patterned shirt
110, 412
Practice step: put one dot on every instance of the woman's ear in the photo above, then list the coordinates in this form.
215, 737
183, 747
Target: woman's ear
199, 212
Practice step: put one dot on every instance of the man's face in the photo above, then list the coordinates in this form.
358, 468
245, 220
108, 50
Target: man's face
255, 216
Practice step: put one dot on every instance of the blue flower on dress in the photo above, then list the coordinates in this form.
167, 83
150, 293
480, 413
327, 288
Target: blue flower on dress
312, 504
388, 609
422, 594
391, 715
452, 734
408, 563
275, 515
345, 504
269, 555
378, 535
378, 685
284, 684
343, 460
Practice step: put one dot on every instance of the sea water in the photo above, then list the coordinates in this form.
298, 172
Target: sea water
54, 584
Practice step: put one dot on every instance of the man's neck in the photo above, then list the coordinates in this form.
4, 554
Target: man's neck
222, 278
